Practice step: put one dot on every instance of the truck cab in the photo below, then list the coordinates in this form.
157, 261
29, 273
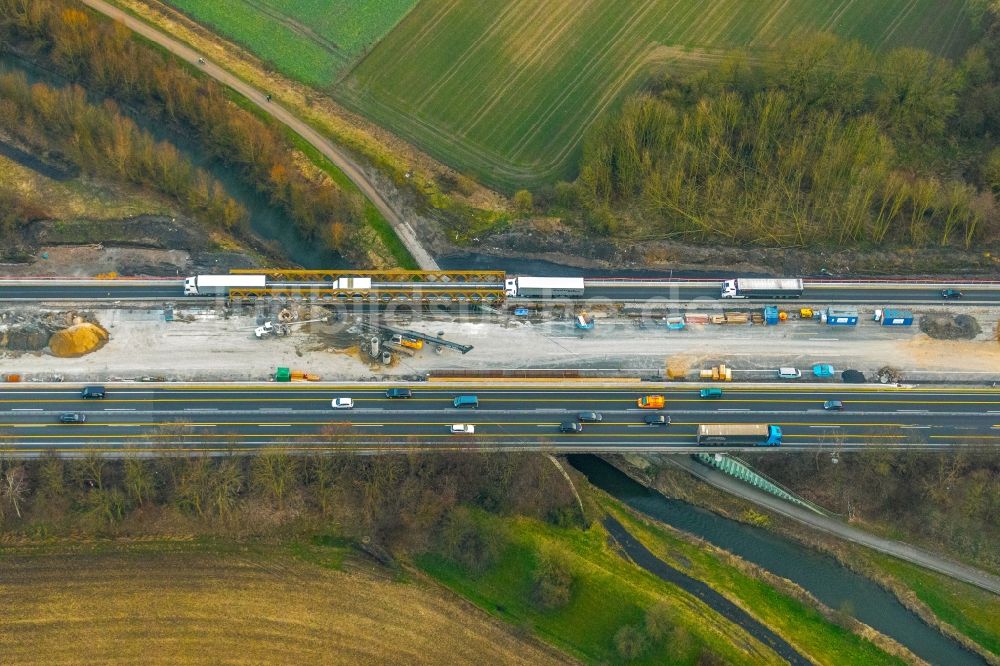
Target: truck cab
729, 289
773, 436
651, 402
191, 286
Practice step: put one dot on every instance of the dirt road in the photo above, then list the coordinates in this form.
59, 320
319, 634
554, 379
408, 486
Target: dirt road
343, 161
897, 549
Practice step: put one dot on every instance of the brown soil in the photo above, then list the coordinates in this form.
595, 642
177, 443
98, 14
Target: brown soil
950, 327
246, 607
537, 239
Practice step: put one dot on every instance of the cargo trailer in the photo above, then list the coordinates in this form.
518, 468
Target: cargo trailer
739, 434
762, 288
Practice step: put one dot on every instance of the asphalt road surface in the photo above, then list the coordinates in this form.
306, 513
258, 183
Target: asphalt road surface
217, 419
687, 292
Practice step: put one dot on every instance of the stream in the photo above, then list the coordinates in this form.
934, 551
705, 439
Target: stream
819, 574
266, 221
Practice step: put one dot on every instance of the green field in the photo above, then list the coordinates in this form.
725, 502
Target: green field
310, 40
506, 89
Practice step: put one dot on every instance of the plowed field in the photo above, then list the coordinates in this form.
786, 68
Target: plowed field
181, 608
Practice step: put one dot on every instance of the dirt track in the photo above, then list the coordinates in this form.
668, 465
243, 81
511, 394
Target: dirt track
343, 161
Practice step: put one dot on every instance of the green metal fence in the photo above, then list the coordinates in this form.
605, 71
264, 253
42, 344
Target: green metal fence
738, 469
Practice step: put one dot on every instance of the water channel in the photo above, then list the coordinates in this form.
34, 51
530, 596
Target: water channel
821, 575
268, 222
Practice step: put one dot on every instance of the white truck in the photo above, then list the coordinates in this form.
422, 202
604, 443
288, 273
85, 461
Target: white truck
219, 285
543, 287
762, 288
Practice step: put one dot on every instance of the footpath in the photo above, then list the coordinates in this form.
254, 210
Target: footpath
833, 526
344, 162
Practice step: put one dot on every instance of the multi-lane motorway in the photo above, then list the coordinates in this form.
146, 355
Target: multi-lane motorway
683, 291
218, 419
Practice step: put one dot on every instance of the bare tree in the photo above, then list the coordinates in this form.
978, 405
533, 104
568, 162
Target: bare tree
13, 488
274, 475
88, 472
139, 481
226, 484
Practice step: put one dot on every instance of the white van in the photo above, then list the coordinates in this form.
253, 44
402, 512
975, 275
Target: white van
789, 373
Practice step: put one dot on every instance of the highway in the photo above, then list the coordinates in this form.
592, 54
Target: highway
221, 418
679, 291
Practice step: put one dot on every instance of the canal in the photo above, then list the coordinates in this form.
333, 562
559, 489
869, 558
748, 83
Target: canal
819, 574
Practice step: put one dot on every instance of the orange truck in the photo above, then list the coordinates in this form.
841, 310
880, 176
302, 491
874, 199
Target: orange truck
651, 402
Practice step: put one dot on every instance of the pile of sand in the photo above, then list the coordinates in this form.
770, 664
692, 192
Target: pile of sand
77, 340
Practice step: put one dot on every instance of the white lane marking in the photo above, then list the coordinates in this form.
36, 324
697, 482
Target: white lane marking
921, 427
734, 410
912, 411
129, 409
27, 409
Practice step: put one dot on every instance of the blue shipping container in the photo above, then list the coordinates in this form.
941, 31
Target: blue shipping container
770, 315
839, 317
897, 318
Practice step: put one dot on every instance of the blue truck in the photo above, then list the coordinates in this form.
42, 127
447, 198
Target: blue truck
739, 434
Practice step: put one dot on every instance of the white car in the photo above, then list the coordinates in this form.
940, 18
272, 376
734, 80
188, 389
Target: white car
463, 429
342, 403
789, 373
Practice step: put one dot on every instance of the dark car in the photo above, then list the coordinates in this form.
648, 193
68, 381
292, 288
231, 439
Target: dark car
398, 393
571, 426
73, 417
657, 419
589, 417
92, 393
951, 293
833, 405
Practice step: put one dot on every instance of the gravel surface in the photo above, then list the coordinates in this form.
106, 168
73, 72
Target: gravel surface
203, 344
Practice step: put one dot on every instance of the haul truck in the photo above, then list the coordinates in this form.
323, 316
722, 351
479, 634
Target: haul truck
762, 288
739, 434
219, 285
544, 287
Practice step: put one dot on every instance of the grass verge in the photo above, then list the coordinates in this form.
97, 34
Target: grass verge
796, 620
973, 612
608, 593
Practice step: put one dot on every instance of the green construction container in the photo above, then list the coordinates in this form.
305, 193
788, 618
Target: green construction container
283, 375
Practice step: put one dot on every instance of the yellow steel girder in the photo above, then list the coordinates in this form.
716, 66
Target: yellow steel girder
385, 275
373, 296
